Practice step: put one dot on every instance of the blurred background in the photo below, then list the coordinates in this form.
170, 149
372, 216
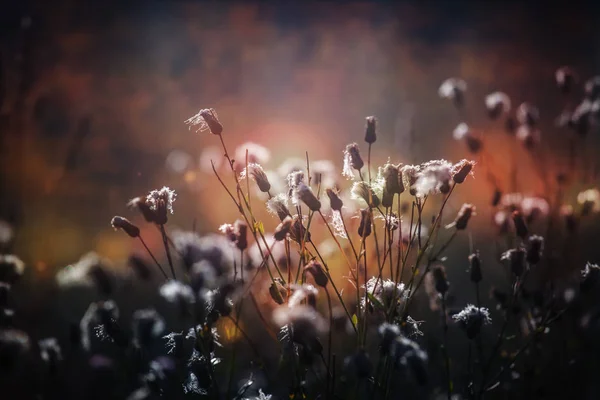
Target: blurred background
94, 95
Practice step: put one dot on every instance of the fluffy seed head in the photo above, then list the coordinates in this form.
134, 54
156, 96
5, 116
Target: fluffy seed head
204, 119
565, 79
440, 280
472, 318
364, 228
278, 205
283, 229
160, 201
352, 160
433, 178
516, 259
305, 322
453, 89
257, 174
318, 273
497, 103
464, 215
335, 202
306, 195
11, 268
363, 191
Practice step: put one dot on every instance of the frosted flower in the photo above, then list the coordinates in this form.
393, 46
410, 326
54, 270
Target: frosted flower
91, 270
433, 178
386, 291
352, 160
363, 191
278, 205
206, 119
256, 172
497, 103
161, 198
472, 318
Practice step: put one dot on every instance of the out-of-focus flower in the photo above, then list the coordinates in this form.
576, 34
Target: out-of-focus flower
589, 200
567, 214
101, 317
204, 119
257, 154
528, 115
6, 232
278, 205
323, 173
363, 191
370, 130
178, 161
516, 259
453, 89
464, 133
213, 248
592, 87
529, 136
565, 79
472, 318
13, 345
50, 352
389, 294
306, 195
461, 170
475, 268
11, 268
147, 325
520, 225
359, 364
211, 155
535, 249
352, 160
305, 323
462, 218
179, 294
318, 273
534, 208
590, 276
90, 271
497, 103
364, 227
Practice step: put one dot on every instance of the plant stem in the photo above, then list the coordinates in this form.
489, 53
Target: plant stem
166, 243
153, 258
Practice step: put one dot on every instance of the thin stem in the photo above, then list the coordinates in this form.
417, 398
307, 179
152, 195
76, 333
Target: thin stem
329, 338
167, 249
153, 258
445, 348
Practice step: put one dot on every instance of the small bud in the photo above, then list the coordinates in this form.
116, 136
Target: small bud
241, 234
277, 291
352, 160
283, 229
520, 225
307, 196
534, 252
475, 268
317, 272
124, 224
463, 216
258, 175
334, 200
461, 170
439, 277
370, 132
364, 229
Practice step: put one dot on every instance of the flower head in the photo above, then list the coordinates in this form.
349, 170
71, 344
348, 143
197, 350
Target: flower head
433, 178
370, 130
204, 119
363, 191
497, 103
472, 318
161, 201
461, 170
453, 89
516, 258
352, 160
124, 224
305, 324
257, 174
278, 205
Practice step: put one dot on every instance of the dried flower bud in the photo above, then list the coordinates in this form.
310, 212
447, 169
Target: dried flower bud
161, 202
534, 252
258, 175
278, 205
317, 272
334, 200
298, 232
277, 291
362, 190
516, 258
392, 177
463, 216
124, 224
370, 130
241, 234
453, 89
283, 229
461, 170
141, 205
565, 79
475, 268
307, 196
497, 103
206, 119
472, 318
439, 277
352, 160
528, 115
520, 225
364, 229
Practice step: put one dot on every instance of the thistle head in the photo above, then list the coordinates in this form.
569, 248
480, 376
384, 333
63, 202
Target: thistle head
278, 205
126, 226
204, 119
472, 318
160, 201
370, 130
363, 191
461, 170
256, 172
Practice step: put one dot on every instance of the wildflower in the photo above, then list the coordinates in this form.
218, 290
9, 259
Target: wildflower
528, 115
438, 272
461, 170
565, 79
90, 271
206, 119
410, 174
282, 230
317, 272
590, 276
277, 291
305, 324
389, 294
213, 248
475, 267
298, 233
592, 87
307, 196
11, 268
178, 293
363, 191
529, 136
533, 208
364, 228
257, 154
589, 200
392, 178
453, 89
370, 130
516, 258
497, 103
161, 201
462, 218
359, 363
352, 160
534, 252
144, 208
520, 225
463, 132
124, 224
13, 345
409, 356
301, 293
277, 205
335, 202
258, 175
433, 178
50, 352
472, 318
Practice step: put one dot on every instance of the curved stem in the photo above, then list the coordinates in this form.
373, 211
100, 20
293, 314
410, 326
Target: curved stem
153, 258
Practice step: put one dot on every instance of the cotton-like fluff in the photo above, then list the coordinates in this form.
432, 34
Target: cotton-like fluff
388, 294
352, 160
206, 119
256, 172
278, 205
305, 325
363, 191
433, 178
215, 249
301, 293
472, 318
